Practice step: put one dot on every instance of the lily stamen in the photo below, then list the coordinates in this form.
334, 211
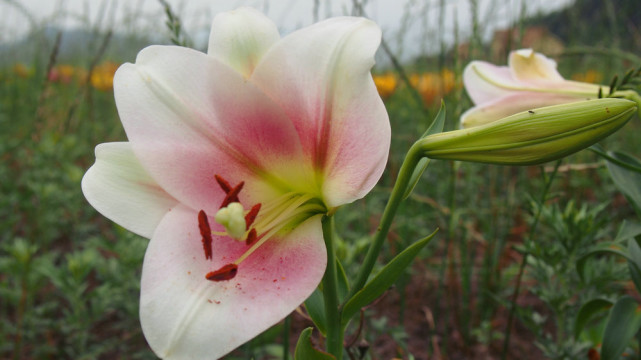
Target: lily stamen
255, 226
205, 233
290, 215
226, 272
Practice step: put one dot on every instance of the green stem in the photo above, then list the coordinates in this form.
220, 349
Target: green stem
335, 333
286, 329
598, 150
517, 287
407, 168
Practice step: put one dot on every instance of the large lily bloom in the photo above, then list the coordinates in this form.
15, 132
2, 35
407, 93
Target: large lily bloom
529, 81
233, 158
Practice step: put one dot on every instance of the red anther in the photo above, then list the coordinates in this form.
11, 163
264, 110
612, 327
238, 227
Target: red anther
226, 272
232, 195
205, 233
251, 215
223, 183
251, 237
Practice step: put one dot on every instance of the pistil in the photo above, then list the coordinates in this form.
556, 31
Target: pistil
256, 226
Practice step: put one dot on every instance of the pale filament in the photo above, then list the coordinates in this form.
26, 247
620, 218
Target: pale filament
274, 216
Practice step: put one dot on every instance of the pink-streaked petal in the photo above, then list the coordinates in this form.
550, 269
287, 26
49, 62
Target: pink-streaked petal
239, 38
189, 117
120, 189
529, 66
320, 76
484, 82
511, 104
184, 316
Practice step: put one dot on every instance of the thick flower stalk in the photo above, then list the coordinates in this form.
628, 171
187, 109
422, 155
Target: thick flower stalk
529, 81
233, 158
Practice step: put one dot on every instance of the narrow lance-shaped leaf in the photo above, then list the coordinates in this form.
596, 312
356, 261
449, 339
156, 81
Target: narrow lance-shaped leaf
601, 249
384, 279
628, 229
623, 324
634, 262
343, 283
588, 311
306, 351
316, 310
628, 181
435, 128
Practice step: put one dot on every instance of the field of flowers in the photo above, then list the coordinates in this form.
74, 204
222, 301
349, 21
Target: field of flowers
529, 262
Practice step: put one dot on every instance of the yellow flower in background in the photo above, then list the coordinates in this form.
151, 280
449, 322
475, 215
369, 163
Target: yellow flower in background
102, 77
385, 84
22, 70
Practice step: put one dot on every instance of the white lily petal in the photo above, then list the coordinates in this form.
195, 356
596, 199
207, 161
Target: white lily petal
485, 82
320, 76
120, 189
187, 317
241, 37
527, 66
509, 105
190, 117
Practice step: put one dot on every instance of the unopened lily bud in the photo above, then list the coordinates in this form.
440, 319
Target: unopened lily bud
535, 136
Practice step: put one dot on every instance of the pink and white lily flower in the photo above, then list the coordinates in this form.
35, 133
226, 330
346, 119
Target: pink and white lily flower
233, 158
529, 81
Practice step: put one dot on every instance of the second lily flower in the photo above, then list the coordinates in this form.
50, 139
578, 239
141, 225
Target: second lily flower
529, 81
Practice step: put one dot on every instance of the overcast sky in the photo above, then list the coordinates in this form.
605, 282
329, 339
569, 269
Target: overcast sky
417, 20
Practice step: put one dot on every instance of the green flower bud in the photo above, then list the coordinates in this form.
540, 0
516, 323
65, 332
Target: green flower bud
535, 136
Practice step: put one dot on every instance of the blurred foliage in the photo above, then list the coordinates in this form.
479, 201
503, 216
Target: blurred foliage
69, 278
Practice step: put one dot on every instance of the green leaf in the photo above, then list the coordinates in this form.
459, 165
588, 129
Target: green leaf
343, 283
587, 313
435, 128
383, 280
315, 306
634, 262
623, 324
628, 229
439, 122
601, 249
306, 351
628, 181
416, 176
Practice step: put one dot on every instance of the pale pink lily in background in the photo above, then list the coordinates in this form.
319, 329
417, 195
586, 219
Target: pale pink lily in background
529, 81
264, 134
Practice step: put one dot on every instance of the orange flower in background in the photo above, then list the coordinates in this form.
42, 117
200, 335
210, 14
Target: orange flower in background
590, 76
62, 74
22, 70
385, 84
102, 77
433, 86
